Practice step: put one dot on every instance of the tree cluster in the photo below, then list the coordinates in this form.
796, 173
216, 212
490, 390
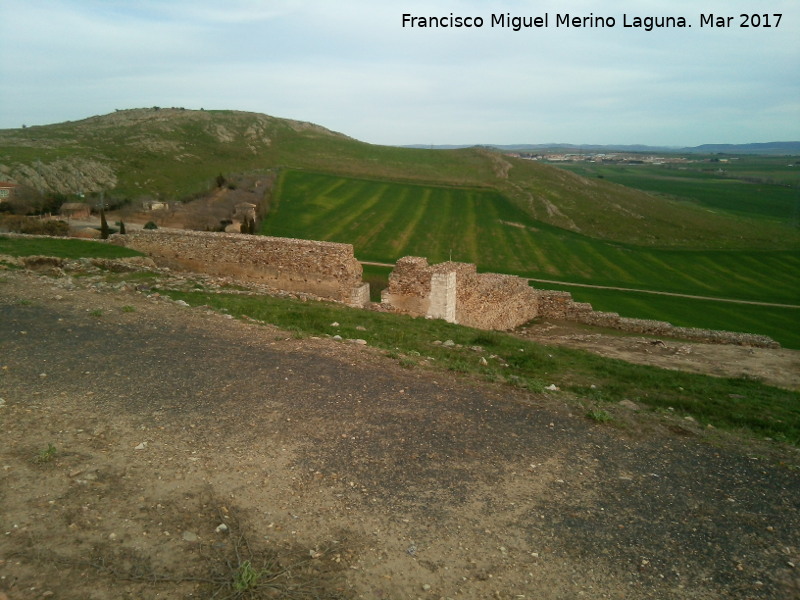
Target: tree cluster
33, 225
25, 200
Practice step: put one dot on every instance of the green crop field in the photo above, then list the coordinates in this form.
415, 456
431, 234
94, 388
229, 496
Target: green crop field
386, 220
383, 220
62, 248
751, 186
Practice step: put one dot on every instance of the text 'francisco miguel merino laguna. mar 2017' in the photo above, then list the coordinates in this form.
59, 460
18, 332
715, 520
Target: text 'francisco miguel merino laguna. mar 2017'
567, 20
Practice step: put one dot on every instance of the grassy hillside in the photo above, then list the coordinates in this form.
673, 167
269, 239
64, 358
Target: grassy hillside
173, 153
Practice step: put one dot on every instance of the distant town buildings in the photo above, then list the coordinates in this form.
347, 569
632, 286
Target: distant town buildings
604, 157
154, 205
7, 190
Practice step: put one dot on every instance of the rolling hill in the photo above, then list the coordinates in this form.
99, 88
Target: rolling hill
472, 204
173, 154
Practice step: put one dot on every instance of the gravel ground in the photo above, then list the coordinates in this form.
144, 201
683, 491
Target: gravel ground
167, 422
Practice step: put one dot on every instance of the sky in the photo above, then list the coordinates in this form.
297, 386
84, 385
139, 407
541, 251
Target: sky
352, 66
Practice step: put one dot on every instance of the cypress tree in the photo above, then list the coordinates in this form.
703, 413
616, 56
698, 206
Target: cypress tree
104, 230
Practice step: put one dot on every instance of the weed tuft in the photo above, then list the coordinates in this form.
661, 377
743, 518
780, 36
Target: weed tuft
408, 363
599, 415
46, 455
532, 385
246, 578
236, 570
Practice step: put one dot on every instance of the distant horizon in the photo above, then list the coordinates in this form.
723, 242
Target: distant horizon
425, 145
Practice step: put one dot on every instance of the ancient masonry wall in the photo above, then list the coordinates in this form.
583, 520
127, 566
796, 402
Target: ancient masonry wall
451, 291
325, 269
409, 288
494, 301
457, 293
560, 306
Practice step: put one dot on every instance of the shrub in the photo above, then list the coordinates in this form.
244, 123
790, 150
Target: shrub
57, 228
33, 226
150, 225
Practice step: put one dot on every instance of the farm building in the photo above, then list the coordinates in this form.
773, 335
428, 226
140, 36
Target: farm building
75, 210
154, 205
245, 210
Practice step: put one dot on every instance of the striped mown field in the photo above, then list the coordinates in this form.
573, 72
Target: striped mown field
386, 220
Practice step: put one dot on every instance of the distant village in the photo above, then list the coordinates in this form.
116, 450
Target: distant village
614, 158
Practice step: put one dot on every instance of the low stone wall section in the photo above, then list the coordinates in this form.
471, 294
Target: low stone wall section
564, 309
503, 302
409, 290
480, 300
325, 269
494, 301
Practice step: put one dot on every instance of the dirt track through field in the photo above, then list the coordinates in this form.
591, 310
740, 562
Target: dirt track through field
403, 483
621, 289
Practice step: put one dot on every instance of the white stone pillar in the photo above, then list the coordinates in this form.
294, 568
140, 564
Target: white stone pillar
443, 296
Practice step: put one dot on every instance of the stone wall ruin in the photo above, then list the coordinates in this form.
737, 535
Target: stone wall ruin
459, 294
324, 269
452, 291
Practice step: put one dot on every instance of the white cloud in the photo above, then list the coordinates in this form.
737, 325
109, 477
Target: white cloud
352, 67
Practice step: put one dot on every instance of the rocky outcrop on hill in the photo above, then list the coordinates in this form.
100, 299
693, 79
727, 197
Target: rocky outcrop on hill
63, 176
143, 151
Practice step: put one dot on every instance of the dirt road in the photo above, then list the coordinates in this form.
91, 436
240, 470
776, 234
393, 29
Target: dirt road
134, 429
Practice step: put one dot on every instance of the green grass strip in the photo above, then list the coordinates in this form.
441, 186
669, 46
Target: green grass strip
62, 248
739, 404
